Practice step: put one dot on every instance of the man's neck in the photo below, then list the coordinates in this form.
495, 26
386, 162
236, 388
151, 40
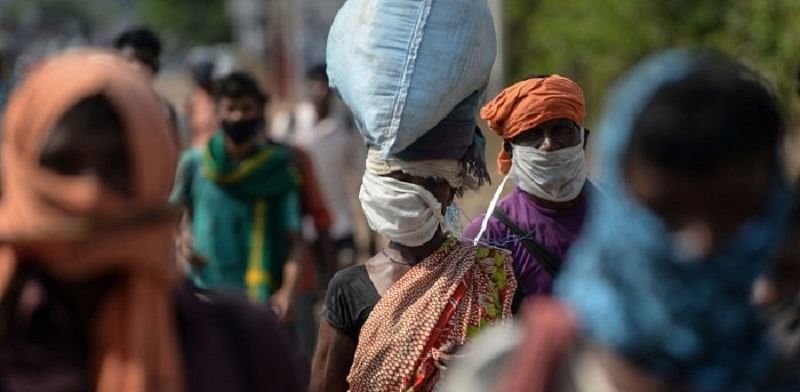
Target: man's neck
243, 150
557, 205
323, 111
415, 255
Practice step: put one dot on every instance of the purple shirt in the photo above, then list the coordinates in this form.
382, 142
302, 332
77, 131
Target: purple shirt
556, 230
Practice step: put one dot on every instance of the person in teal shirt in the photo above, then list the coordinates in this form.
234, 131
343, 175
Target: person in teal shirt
240, 192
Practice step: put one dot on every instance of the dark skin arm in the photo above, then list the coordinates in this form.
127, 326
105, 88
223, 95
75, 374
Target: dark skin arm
282, 299
332, 360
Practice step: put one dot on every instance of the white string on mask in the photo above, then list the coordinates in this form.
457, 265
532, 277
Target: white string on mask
499, 191
490, 210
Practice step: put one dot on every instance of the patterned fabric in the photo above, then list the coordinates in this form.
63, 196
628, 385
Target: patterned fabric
441, 302
555, 229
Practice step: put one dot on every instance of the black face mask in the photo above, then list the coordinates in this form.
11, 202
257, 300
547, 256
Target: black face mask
242, 131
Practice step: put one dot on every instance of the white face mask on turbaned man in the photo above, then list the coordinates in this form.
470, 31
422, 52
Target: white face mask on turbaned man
556, 176
405, 213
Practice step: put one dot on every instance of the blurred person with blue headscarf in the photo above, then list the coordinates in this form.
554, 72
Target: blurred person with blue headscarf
777, 292
4, 84
656, 296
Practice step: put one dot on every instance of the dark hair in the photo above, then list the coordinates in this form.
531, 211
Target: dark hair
538, 76
239, 85
318, 73
139, 37
64, 150
719, 112
203, 75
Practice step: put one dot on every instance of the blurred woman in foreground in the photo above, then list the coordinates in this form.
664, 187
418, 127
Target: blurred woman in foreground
90, 296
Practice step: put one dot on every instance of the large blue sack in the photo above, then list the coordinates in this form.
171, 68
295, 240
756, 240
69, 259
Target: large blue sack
403, 66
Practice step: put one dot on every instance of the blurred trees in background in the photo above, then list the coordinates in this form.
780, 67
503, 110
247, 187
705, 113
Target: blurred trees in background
595, 41
192, 22
592, 41
63, 16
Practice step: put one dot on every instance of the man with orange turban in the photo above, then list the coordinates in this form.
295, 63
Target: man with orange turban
541, 122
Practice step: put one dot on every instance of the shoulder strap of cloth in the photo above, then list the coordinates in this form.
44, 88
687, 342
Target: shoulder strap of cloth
550, 262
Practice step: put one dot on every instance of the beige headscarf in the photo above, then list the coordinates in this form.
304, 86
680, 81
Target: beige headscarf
76, 228
449, 170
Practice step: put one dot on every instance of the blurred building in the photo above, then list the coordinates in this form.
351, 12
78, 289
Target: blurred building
498, 79
274, 33
290, 36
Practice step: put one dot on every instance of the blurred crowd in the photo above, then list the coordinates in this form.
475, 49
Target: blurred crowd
233, 244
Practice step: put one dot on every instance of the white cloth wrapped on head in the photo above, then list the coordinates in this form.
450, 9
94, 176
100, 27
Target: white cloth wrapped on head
407, 213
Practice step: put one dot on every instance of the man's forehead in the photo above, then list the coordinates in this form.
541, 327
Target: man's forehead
558, 122
554, 123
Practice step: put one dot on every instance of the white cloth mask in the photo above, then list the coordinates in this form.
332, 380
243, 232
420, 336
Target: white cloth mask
405, 213
556, 176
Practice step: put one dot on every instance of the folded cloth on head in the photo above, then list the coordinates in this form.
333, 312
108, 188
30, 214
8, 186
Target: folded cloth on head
530, 103
450, 170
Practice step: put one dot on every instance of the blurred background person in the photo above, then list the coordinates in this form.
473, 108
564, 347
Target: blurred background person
200, 109
777, 292
142, 47
316, 223
5, 81
90, 298
323, 127
242, 197
331, 155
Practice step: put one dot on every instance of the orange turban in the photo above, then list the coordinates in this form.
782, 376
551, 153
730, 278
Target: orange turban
530, 103
76, 228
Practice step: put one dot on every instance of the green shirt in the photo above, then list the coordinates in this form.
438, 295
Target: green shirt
223, 227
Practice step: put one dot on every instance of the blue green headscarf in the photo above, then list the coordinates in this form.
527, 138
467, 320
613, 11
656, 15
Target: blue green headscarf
682, 321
